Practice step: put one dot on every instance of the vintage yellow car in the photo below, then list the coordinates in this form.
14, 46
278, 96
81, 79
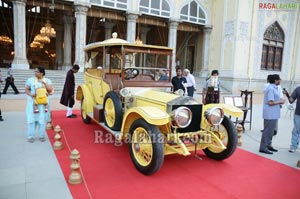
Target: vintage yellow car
128, 91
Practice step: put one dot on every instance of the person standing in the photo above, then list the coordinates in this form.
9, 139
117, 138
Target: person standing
1, 80
178, 81
39, 119
190, 82
211, 92
67, 97
163, 75
281, 97
271, 114
10, 81
296, 130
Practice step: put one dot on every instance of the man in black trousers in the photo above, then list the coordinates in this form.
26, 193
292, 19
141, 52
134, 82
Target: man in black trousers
10, 81
1, 80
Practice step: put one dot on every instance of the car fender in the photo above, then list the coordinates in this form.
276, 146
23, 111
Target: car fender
152, 115
228, 109
83, 91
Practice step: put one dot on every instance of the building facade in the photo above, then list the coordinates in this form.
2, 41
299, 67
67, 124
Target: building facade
244, 40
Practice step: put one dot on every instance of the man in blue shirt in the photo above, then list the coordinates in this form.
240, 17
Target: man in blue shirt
271, 114
163, 75
296, 130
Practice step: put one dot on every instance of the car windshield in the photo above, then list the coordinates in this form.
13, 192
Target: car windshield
146, 66
133, 62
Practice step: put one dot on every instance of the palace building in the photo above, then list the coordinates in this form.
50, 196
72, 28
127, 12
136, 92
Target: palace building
244, 40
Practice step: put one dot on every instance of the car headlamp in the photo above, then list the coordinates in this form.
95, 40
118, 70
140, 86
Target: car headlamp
125, 92
182, 117
214, 115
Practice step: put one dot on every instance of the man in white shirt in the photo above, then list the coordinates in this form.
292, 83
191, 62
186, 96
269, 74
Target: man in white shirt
190, 82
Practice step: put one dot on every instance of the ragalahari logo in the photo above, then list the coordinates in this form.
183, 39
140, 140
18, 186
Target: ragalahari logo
278, 6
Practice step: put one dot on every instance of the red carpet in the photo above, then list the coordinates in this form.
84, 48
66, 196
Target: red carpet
109, 172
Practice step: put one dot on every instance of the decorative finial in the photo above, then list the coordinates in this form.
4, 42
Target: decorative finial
115, 35
57, 145
75, 176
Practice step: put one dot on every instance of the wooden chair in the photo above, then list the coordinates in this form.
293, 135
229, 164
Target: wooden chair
247, 97
244, 102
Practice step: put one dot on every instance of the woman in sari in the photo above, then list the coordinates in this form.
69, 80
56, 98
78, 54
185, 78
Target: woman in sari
41, 118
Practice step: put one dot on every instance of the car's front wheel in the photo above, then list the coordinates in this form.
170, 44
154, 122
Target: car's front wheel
228, 134
146, 147
113, 114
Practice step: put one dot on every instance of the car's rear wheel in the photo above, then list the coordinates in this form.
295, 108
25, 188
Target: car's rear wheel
85, 118
228, 134
146, 147
113, 114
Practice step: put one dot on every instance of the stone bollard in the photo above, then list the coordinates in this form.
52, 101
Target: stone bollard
75, 176
49, 124
298, 163
57, 145
239, 129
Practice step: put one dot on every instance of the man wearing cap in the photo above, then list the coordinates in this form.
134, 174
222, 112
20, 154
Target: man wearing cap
271, 114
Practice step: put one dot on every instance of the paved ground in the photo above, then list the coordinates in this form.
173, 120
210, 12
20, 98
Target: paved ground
25, 166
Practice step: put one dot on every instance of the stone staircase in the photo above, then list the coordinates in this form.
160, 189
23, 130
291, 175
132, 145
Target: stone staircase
57, 77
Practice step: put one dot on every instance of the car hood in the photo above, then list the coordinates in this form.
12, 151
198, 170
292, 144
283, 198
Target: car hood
165, 97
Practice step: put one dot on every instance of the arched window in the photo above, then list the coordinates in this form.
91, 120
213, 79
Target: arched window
116, 4
192, 12
272, 48
155, 7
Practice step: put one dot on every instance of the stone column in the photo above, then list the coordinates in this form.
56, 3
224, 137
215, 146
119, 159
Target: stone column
205, 50
20, 59
68, 20
108, 29
172, 41
59, 46
131, 26
80, 13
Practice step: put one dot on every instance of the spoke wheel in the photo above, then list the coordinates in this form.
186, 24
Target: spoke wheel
142, 146
228, 134
113, 111
85, 118
146, 147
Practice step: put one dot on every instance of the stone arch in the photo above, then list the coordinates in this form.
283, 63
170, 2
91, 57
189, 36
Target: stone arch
159, 8
272, 48
277, 31
193, 11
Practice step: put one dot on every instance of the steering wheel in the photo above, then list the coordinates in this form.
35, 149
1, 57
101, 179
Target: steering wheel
131, 73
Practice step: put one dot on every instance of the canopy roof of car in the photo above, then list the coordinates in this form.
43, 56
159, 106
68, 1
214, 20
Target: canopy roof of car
120, 42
